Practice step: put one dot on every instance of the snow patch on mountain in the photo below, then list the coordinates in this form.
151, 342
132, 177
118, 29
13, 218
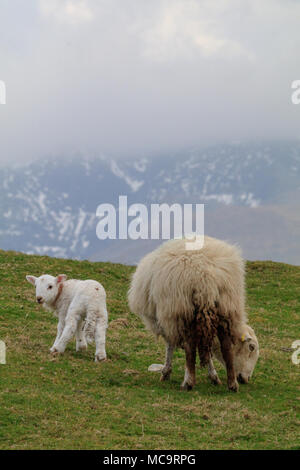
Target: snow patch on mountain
134, 185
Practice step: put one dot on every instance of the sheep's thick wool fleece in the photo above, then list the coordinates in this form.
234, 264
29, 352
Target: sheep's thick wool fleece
172, 283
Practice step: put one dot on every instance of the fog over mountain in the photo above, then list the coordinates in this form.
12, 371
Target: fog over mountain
250, 191
185, 101
130, 77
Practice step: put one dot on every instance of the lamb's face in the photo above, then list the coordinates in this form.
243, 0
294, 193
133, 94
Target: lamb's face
246, 352
46, 287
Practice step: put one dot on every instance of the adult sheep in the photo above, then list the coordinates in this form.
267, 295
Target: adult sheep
192, 298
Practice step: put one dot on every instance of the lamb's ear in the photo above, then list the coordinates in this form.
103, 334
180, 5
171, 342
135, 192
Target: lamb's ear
31, 279
61, 278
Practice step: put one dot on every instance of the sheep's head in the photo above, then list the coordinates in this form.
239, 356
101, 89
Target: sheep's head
246, 352
47, 288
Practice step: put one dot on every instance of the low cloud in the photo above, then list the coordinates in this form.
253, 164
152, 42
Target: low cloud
67, 11
140, 77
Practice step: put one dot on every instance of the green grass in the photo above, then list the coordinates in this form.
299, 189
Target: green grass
70, 402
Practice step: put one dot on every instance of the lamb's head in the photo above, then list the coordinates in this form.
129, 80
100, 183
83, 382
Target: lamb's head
246, 352
47, 288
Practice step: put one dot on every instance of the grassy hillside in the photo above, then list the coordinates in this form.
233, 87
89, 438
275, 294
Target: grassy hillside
72, 402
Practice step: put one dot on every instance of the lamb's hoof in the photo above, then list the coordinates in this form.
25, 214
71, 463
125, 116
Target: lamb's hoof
54, 352
99, 358
82, 347
215, 380
186, 386
233, 387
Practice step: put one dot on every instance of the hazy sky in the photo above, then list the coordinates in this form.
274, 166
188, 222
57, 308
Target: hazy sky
140, 76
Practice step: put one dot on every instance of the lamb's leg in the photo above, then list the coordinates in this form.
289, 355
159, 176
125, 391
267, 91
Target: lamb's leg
212, 373
190, 374
81, 343
167, 370
226, 349
71, 324
100, 334
60, 328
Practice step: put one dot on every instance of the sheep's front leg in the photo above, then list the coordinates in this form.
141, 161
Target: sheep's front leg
60, 328
167, 369
100, 334
190, 373
212, 373
81, 343
226, 348
71, 324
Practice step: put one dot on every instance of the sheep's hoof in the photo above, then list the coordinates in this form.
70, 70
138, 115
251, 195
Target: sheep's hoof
165, 375
163, 378
233, 387
99, 358
186, 386
215, 380
81, 347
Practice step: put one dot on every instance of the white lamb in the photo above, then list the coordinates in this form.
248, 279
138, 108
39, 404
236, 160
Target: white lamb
80, 307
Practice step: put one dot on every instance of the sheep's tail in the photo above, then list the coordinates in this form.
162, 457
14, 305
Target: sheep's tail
90, 326
206, 321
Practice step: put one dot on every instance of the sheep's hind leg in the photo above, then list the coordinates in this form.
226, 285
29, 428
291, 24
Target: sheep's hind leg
226, 349
190, 373
212, 373
167, 370
81, 344
100, 334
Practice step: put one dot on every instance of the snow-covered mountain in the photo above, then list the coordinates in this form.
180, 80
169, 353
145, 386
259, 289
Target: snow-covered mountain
49, 206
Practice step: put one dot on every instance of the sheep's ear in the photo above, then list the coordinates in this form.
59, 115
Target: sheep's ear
61, 278
31, 279
246, 337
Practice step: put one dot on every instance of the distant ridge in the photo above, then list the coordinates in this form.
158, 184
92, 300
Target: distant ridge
250, 191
